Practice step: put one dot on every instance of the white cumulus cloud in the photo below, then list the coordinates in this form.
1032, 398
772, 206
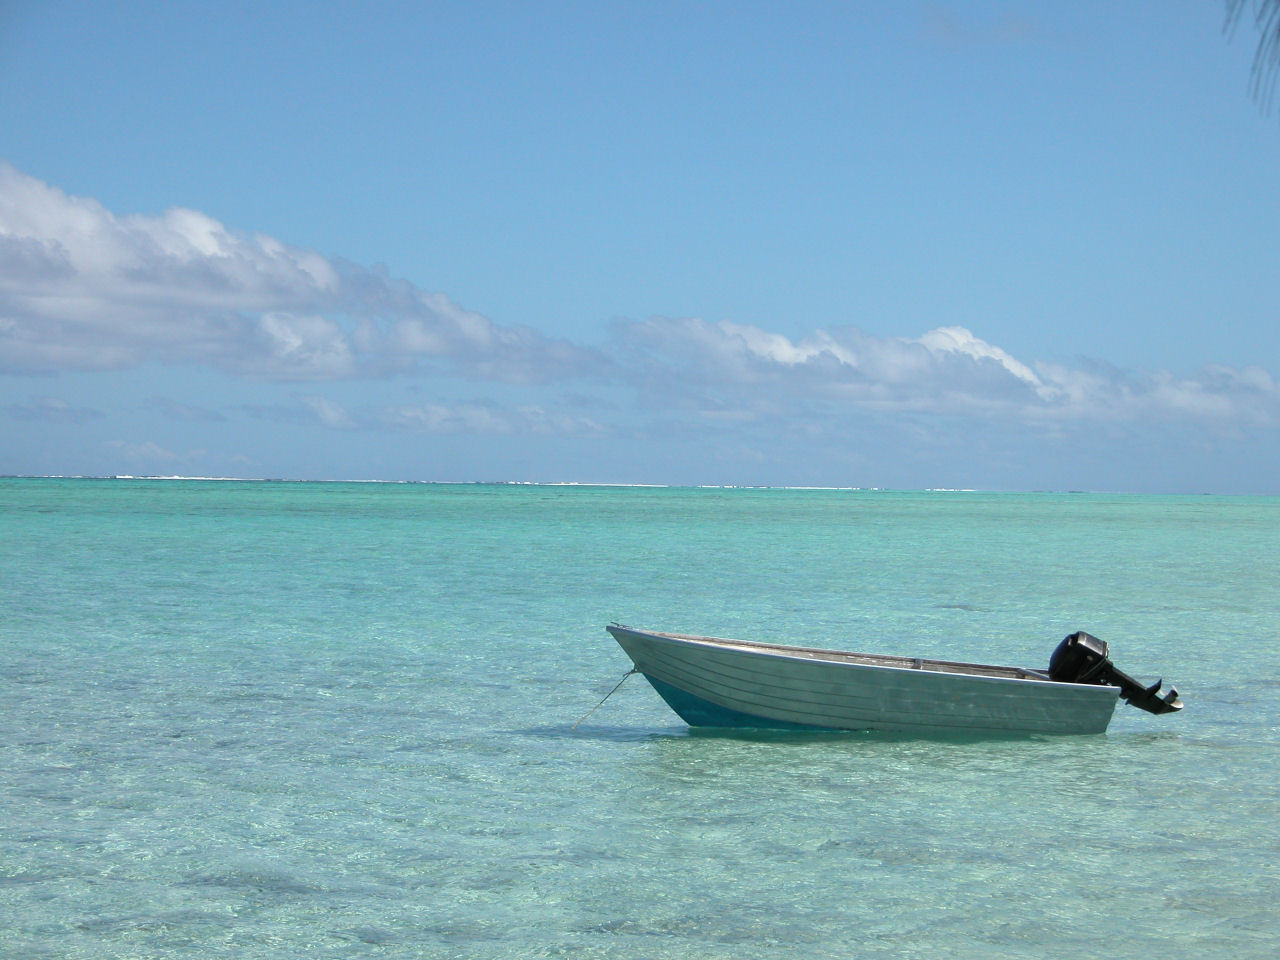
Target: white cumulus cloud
728, 371
330, 413
958, 340
82, 288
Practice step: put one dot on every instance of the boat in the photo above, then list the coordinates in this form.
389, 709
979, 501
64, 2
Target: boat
713, 682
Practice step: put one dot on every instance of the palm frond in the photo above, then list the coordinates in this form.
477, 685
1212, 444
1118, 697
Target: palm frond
1266, 60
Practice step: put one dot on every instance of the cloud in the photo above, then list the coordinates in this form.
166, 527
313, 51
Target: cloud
300, 411
52, 410
441, 418
726, 372
150, 453
960, 342
944, 367
1214, 396
329, 413
487, 419
82, 288
187, 412
288, 346
476, 418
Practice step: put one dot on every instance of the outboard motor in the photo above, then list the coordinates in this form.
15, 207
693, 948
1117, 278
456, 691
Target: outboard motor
1082, 658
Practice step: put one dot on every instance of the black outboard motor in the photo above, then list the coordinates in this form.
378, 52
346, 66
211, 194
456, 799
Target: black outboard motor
1082, 658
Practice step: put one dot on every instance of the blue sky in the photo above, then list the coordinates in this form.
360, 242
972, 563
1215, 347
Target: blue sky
994, 245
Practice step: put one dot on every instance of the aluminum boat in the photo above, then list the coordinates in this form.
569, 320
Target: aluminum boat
712, 682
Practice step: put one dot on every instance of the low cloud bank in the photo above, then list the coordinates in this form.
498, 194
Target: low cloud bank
949, 370
82, 288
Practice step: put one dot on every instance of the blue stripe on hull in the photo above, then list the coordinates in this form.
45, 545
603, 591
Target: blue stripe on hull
703, 713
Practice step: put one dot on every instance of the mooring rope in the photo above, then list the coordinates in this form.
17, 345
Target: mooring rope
606, 696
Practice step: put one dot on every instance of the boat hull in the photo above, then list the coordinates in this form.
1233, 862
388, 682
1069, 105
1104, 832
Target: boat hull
719, 683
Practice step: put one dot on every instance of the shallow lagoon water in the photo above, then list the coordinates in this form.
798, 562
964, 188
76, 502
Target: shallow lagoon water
283, 719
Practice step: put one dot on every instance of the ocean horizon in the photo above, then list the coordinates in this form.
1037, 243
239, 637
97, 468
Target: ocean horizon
622, 485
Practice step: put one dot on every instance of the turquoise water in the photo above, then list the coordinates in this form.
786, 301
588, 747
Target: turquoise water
274, 720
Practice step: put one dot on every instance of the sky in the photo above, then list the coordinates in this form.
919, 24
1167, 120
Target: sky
1004, 246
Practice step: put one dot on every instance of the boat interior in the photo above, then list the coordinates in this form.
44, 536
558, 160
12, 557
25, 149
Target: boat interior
869, 659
